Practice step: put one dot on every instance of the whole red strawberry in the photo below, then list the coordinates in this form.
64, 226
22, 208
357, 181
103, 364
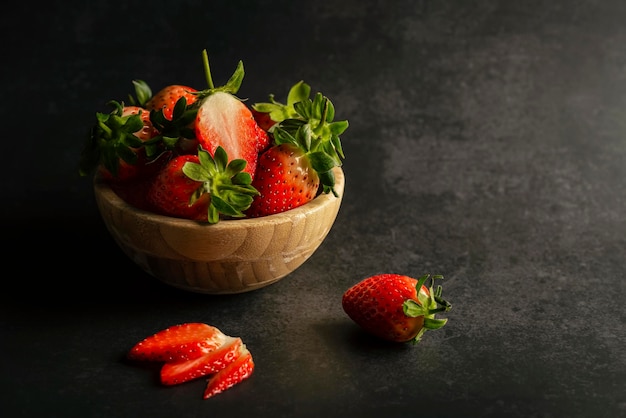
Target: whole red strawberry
305, 151
166, 99
172, 193
115, 146
263, 119
202, 187
395, 307
284, 179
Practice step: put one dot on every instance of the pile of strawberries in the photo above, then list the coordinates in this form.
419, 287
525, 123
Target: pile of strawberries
206, 155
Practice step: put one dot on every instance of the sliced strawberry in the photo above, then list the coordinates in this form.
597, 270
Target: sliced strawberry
174, 373
232, 374
224, 120
178, 343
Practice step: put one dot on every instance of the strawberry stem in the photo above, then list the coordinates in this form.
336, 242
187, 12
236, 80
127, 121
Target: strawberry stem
207, 69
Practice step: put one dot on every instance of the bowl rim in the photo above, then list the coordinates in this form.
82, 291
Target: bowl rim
105, 192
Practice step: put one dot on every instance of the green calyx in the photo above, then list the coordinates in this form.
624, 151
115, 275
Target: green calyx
309, 124
110, 139
180, 126
427, 305
229, 186
232, 85
170, 130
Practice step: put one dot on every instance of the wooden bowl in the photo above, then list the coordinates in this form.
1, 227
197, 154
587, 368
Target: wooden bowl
231, 256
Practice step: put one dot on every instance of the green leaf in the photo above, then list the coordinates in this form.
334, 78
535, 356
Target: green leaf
179, 108
195, 171
321, 161
338, 127
143, 93
235, 81
222, 206
221, 158
235, 166
413, 309
242, 178
298, 93
431, 323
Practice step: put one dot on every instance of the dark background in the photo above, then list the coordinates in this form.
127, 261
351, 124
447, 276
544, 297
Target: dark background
487, 143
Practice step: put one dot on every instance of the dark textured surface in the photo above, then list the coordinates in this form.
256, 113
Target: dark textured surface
487, 143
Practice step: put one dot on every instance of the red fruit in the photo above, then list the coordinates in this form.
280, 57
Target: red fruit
263, 119
174, 373
224, 120
167, 97
389, 306
202, 187
232, 374
284, 179
147, 131
133, 192
115, 146
178, 343
172, 193
140, 168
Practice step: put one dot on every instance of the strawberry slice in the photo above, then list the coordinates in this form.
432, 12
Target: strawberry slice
175, 373
178, 343
224, 120
232, 374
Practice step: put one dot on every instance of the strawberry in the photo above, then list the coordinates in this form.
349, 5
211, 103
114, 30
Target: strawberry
306, 149
172, 193
165, 99
224, 120
202, 187
395, 307
115, 146
284, 179
178, 343
173, 373
263, 119
232, 374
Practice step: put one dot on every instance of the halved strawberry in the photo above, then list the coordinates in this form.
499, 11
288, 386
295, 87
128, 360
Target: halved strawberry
224, 120
174, 373
178, 343
232, 374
